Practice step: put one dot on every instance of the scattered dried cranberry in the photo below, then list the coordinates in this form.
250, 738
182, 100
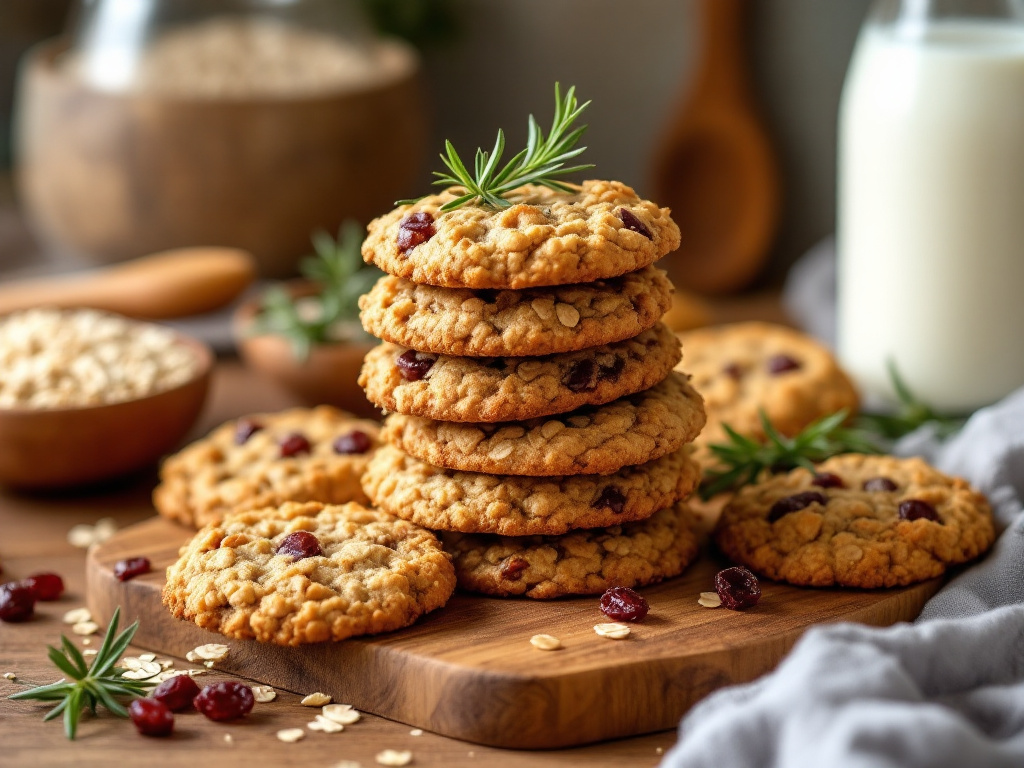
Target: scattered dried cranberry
293, 445
876, 484
738, 588
633, 223
733, 371
513, 568
355, 441
300, 545
611, 498
414, 229
45, 586
17, 603
582, 377
151, 717
176, 693
414, 365
245, 429
225, 701
828, 480
131, 567
915, 509
782, 364
795, 503
623, 604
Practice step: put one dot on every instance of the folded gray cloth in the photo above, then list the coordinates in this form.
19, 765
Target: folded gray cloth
947, 690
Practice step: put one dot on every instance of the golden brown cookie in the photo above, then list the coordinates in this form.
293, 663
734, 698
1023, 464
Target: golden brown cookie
471, 502
449, 388
861, 521
547, 237
584, 562
316, 454
306, 573
538, 321
593, 440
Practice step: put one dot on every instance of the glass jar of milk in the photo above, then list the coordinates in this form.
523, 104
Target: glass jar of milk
931, 201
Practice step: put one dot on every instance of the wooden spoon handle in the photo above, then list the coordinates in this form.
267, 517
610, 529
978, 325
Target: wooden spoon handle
177, 283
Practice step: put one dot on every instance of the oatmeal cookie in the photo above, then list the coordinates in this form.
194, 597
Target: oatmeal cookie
539, 321
744, 367
861, 521
593, 440
510, 388
584, 562
471, 502
261, 460
306, 573
547, 237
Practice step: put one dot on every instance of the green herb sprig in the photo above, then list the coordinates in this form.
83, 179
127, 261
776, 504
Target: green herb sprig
911, 414
542, 162
101, 683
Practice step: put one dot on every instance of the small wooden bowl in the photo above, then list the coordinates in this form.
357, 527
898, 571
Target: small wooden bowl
61, 447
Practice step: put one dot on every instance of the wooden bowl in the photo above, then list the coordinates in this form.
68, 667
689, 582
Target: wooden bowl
62, 447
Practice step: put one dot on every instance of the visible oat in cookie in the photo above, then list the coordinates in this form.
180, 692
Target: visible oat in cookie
538, 321
302, 454
860, 533
513, 388
585, 562
594, 440
547, 237
471, 502
376, 574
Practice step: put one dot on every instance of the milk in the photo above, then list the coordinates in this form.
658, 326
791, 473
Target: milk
931, 211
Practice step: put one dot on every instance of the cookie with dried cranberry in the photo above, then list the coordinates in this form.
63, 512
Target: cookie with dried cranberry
743, 368
537, 321
302, 454
592, 440
859, 521
583, 562
601, 229
449, 388
307, 573
509, 505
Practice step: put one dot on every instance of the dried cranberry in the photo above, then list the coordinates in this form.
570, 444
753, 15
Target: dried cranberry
131, 567
17, 603
513, 569
733, 371
176, 693
245, 429
915, 509
828, 480
300, 545
738, 588
632, 222
293, 445
611, 498
225, 701
782, 364
582, 377
151, 717
414, 365
613, 371
45, 586
623, 604
795, 503
414, 229
876, 484
355, 441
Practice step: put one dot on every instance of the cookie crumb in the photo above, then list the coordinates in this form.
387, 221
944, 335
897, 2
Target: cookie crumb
263, 693
614, 631
291, 735
341, 713
659, 750
709, 599
315, 700
394, 757
10, 676
546, 642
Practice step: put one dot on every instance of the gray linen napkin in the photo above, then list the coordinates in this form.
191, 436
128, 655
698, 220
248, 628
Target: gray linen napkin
947, 690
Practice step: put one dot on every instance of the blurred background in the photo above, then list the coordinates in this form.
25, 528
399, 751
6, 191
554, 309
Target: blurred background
484, 65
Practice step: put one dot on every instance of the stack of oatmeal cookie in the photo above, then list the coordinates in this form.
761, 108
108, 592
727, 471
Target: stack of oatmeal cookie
535, 416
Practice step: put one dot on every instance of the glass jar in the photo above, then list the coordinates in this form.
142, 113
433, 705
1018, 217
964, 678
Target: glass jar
931, 201
247, 123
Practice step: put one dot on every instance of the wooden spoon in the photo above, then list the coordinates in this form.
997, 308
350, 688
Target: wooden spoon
176, 283
715, 167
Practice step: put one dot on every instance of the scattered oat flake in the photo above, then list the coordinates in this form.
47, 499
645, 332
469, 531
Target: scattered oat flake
210, 652
291, 735
228, 739
77, 616
321, 723
348, 764
147, 657
89, 652
263, 693
10, 676
546, 642
208, 664
614, 631
416, 732
709, 599
81, 536
85, 628
341, 713
86, 641
166, 663
659, 750
394, 757
315, 700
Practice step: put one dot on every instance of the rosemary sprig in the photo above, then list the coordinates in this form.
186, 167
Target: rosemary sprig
911, 414
99, 684
542, 162
743, 459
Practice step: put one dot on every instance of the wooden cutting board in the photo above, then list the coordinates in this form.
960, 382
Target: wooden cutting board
468, 671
